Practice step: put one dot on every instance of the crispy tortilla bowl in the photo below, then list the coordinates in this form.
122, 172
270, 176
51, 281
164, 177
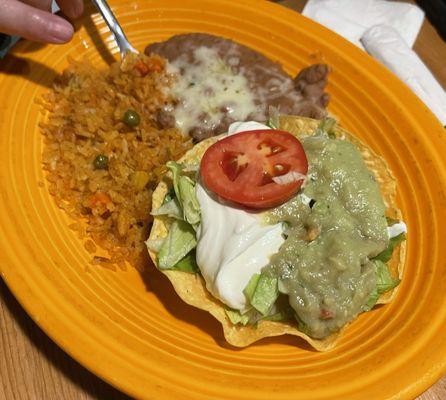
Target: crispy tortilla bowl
191, 287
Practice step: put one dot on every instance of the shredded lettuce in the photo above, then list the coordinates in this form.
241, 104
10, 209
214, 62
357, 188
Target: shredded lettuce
178, 243
262, 292
181, 204
302, 326
184, 188
281, 311
278, 316
189, 202
265, 294
273, 120
386, 255
384, 280
270, 124
262, 295
236, 317
253, 317
170, 208
327, 127
169, 196
251, 287
384, 283
176, 172
154, 244
187, 263
374, 296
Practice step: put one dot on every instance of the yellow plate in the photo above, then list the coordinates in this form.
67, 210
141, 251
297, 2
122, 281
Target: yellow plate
130, 328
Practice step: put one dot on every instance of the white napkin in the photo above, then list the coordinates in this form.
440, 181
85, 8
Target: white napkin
386, 45
351, 18
386, 30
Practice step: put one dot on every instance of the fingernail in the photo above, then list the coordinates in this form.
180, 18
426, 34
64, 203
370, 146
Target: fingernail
61, 31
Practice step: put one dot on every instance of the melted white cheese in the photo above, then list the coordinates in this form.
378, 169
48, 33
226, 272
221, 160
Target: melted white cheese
206, 89
233, 244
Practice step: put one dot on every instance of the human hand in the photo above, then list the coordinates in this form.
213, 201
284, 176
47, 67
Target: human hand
32, 19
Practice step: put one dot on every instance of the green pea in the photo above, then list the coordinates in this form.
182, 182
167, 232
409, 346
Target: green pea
131, 118
100, 162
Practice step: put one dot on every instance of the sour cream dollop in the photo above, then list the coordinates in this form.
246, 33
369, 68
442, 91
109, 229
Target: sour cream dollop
396, 229
233, 244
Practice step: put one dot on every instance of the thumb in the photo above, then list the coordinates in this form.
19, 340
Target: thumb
31, 23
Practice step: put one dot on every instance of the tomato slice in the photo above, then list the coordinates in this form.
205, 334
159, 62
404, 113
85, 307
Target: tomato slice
240, 168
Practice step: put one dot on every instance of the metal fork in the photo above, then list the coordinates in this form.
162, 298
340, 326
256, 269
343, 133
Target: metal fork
120, 38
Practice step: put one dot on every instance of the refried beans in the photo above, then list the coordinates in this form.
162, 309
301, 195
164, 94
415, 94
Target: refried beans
221, 81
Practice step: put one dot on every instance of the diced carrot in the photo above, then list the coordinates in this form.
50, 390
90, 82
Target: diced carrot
142, 67
152, 65
155, 65
99, 198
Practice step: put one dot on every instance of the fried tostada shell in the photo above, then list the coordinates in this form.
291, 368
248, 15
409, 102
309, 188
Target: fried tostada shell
191, 287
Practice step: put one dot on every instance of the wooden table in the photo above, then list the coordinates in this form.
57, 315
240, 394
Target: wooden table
32, 367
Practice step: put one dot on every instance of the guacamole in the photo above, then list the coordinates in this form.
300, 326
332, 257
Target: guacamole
325, 265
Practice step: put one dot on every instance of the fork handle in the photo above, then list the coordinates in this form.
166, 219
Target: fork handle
122, 41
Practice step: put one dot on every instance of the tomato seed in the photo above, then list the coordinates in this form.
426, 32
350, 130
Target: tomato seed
281, 169
276, 149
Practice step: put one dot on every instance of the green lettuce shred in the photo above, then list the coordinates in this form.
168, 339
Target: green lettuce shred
262, 295
282, 310
278, 316
176, 172
154, 244
327, 127
236, 317
187, 264
374, 296
386, 255
265, 294
270, 124
302, 326
169, 196
384, 280
384, 283
273, 120
262, 292
189, 202
184, 188
181, 204
251, 286
178, 243
170, 208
